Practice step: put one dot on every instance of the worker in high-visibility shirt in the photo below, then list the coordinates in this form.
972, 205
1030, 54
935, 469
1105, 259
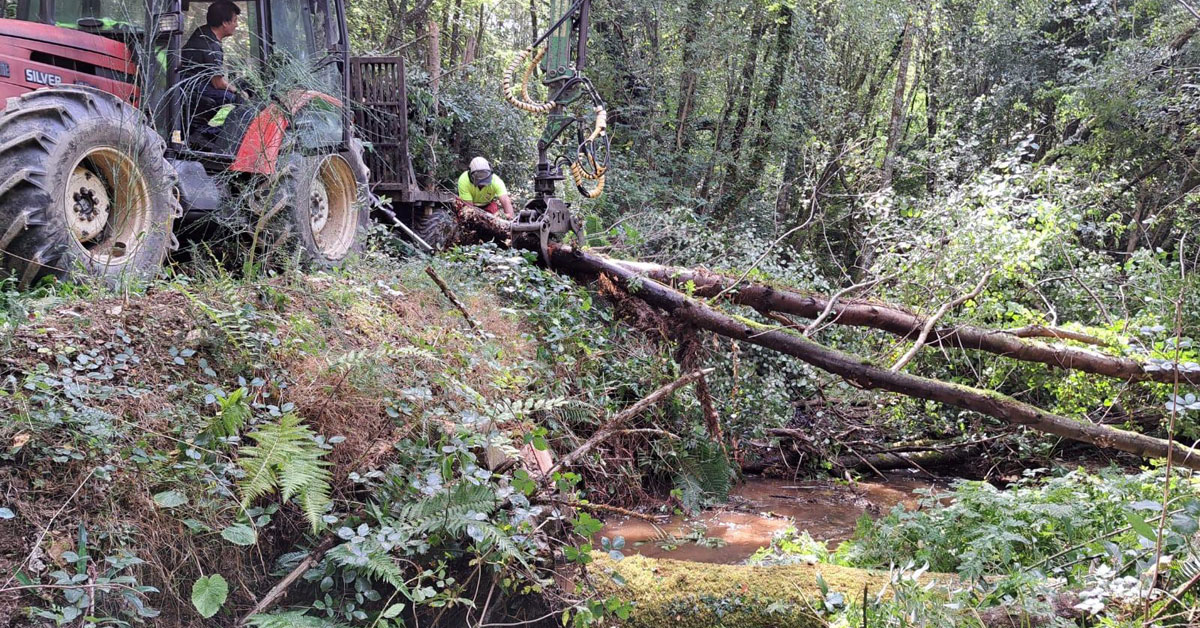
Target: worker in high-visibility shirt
481, 188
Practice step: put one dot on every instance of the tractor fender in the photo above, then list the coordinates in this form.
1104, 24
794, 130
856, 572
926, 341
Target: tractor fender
260, 147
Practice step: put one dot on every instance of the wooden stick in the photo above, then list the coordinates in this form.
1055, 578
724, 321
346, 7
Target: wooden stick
1040, 331
450, 295
625, 415
281, 587
937, 316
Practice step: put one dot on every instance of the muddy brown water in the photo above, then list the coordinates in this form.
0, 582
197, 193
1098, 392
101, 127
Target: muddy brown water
759, 508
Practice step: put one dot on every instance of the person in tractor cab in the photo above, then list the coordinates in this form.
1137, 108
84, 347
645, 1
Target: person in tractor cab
479, 187
203, 62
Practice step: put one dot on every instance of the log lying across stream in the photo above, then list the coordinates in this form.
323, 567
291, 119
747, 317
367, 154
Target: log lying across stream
650, 284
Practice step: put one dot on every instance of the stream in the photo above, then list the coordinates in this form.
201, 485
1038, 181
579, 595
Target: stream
759, 508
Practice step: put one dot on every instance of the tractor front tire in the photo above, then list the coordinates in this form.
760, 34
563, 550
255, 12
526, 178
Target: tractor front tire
438, 227
85, 188
321, 212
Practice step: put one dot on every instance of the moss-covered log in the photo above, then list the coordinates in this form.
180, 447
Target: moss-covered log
687, 594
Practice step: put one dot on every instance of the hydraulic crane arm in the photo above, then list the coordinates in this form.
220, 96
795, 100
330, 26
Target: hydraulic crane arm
572, 101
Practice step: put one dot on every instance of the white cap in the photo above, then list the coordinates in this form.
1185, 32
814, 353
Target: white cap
479, 163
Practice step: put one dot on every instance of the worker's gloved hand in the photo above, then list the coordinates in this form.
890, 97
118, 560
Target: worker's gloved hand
492, 208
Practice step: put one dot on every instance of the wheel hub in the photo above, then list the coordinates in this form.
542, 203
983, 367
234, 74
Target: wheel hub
319, 210
88, 204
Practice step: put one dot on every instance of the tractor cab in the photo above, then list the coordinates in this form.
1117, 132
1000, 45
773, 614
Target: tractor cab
288, 56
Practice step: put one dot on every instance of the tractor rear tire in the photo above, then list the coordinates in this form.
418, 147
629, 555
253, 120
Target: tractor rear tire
321, 209
85, 188
439, 229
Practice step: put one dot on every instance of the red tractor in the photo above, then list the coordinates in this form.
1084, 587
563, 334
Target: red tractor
101, 160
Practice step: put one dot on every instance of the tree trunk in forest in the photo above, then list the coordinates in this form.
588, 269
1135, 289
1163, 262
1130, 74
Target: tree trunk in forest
433, 63
719, 138
748, 179
688, 76
749, 69
855, 370
476, 40
896, 121
533, 19
455, 31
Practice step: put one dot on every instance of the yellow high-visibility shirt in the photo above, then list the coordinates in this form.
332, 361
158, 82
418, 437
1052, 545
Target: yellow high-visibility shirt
476, 195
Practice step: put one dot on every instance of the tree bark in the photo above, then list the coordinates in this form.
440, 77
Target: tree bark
688, 76
856, 370
455, 30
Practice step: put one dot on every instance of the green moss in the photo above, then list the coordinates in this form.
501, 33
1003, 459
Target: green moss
700, 595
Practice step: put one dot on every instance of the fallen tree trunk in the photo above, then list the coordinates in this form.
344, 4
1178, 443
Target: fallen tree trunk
894, 320
862, 373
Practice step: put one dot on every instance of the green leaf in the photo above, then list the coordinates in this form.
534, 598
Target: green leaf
170, 499
240, 534
392, 611
209, 593
1140, 526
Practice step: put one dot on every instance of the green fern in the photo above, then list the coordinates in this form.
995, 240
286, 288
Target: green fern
237, 322
354, 359
291, 619
449, 510
370, 558
232, 416
703, 474
286, 456
457, 512
511, 410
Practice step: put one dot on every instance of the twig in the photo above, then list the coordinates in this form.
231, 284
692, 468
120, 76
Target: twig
450, 295
615, 510
1039, 331
281, 587
837, 295
758, 261
1190, 9
46, 529
1166, 498
932, 320
868, 463
625, 415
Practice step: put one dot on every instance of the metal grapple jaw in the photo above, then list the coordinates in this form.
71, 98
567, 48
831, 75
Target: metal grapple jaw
551, 221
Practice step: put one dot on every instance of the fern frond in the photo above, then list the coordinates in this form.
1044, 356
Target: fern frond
236, 323
285, 454
449, 510
372, 560
354, 359
291, 619
510, 410
232, 416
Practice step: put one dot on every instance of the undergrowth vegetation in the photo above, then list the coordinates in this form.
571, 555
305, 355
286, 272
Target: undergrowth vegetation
173, 449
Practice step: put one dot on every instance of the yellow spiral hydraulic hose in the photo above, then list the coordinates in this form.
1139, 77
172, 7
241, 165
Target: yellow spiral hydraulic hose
577, 171
523, 102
